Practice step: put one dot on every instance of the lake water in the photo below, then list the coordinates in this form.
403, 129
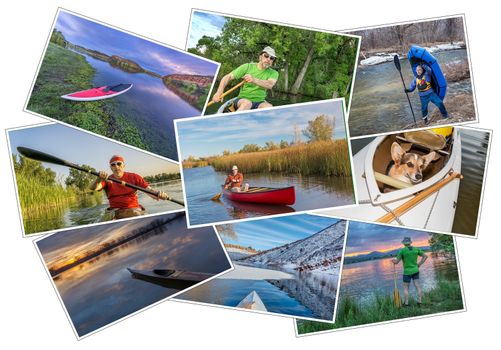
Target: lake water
149, 105
379, 103
312, 192
101, 290
362, 280
310, 295
91, 209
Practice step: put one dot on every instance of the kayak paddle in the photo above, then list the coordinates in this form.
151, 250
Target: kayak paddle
227, 92
44, 157
396, 292
216, 197
396, 60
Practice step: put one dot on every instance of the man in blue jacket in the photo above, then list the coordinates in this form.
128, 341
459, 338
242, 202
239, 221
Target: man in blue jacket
423, 83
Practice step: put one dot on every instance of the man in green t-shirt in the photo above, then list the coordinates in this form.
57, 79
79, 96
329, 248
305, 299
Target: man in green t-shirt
259, 77
409, 256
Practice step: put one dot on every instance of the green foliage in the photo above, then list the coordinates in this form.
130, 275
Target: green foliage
162, 177
446, 296
319, 129
58, 38
283, 144
328, 74
79, 179
440, 243
252, 147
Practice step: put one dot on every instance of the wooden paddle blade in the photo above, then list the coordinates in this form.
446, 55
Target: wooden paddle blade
396, 298
41, 156
396, 60
217, 196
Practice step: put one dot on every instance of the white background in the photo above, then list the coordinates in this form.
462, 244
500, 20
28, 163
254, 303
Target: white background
30, 311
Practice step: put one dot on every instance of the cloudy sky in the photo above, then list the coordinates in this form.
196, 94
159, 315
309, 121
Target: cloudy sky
203, 23
150, 55
213, 135
269, 233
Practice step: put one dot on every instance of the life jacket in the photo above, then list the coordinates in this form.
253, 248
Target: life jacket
422, 84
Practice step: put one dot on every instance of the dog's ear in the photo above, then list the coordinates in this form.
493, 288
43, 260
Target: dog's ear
428, 158
397, 153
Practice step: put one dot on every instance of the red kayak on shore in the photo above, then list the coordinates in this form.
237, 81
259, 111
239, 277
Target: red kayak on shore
98, 93
264, 195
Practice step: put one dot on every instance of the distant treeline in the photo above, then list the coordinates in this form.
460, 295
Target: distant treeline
162, 177
400, 37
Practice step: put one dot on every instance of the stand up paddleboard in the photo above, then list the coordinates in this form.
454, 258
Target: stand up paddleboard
98, 93
418, 55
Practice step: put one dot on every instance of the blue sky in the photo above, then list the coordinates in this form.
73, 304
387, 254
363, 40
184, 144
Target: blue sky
269, 233
211, 136
365, 238
82, 148
149, 55
203, 23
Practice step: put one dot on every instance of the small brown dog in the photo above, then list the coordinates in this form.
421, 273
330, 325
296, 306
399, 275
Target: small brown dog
408, 167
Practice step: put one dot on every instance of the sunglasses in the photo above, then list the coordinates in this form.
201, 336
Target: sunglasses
116, 164
268, 56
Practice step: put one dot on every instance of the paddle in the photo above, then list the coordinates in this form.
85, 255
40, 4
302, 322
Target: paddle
216, 197
389, 217
44, 157
396, 60
227, 92
396, 293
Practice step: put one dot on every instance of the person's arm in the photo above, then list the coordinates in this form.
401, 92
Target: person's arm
98, 184
423, 259
222, 85
227, 182
160, 194
412, 87
426, 68
267, 84
397, 259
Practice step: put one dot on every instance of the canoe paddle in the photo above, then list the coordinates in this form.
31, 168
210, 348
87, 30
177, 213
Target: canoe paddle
396, 60
396, 293
227, 92
44, 157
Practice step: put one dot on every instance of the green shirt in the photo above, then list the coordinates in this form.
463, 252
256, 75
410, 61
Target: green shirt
251, 91
409, 257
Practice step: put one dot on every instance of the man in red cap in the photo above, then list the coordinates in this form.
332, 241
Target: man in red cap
123, 200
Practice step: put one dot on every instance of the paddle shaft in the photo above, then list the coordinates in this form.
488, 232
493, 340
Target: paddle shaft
396, 60
228, 92
389, 217
44, 157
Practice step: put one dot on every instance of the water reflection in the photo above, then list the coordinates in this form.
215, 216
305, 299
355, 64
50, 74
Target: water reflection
312, 192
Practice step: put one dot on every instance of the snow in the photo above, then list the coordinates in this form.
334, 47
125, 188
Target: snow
379, 58
254, 273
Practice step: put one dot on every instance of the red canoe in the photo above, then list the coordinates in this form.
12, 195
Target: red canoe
98, 93
265, 195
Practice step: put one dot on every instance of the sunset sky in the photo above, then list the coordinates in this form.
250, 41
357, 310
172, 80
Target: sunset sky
364, 238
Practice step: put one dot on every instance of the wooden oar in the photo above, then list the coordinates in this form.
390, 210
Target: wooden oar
227, 92
216, 197
389, 217
396, 293
44, 157
396, 60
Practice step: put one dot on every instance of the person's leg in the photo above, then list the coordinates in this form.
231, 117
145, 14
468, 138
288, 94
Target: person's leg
425, 100
264, 104
418, 289
243, 104
440, 104
406, 293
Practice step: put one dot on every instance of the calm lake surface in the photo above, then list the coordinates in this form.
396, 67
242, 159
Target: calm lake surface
379, 103
101, 290
92, 209
310, 295
474, 147
362, 280
150, 105
312, 192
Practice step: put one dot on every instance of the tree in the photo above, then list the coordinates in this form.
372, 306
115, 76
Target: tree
319, 129
226, 152
249, 148
227, 230
284, 144
80, 179
270, 146
441, 243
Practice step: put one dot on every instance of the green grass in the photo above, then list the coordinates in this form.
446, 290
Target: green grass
327, 158
445, 297
63, 71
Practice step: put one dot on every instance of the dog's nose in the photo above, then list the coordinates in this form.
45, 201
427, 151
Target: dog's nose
419, 176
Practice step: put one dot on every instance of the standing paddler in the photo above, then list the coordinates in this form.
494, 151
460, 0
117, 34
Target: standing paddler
123, 200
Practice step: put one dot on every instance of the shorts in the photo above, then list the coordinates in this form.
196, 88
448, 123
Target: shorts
408, 278
127, 213
254, 105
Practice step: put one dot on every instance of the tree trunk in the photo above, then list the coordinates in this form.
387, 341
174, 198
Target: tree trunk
286, 76
302, 72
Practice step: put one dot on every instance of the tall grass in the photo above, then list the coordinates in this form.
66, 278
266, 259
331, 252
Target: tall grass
328, 158
446, 296
37, 198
